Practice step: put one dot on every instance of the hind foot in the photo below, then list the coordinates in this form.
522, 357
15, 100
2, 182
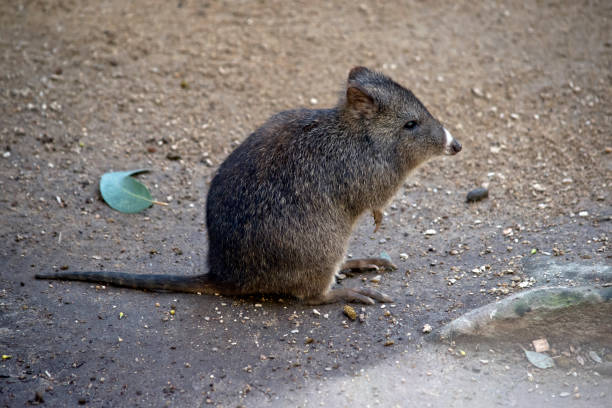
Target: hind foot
367, 264
358, 295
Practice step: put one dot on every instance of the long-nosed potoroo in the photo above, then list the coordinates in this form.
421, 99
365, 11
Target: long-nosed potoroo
282, 205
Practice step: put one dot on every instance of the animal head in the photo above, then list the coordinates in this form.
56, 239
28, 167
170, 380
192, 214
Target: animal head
394, 118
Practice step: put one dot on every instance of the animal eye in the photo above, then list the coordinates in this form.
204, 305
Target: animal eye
410, 125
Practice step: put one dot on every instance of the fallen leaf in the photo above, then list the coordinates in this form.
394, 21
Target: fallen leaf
539, 360
595, 357
123, 193
350, 312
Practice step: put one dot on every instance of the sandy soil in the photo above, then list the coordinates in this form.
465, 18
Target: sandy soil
90, 87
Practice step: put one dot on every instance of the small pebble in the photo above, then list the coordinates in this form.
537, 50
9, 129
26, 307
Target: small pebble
430, 232
477, 195
427, 328
478, 92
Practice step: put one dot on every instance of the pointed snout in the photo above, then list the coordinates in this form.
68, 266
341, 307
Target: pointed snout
452, 146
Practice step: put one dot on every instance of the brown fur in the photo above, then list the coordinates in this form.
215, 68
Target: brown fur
282, 206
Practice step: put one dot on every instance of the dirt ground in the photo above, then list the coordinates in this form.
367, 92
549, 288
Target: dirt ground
91, 87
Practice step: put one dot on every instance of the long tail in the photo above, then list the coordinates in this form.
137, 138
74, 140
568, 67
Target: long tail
169, 283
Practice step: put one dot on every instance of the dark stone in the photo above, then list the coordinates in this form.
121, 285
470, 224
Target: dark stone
477, 195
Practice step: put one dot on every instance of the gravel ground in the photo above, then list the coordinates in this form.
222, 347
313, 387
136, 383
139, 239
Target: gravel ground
90, 87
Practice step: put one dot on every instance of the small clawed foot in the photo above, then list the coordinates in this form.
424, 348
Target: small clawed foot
374, 294
360, 295
368, 264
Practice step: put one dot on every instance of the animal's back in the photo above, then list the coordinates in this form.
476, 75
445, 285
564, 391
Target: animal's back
270, 212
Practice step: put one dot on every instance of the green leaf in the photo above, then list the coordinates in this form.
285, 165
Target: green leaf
123, 193
539, 360
386, 256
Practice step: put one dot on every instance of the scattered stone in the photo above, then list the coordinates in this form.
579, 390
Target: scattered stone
478, 92
477, 194
207, 162
583, 214
55, 106
376, 279
563, 362
430, 232
427, 328
173, 156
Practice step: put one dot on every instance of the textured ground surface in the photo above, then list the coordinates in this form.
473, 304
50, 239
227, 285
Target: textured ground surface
89, 87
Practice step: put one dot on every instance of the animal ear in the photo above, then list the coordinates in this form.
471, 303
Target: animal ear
358, 100
356, 72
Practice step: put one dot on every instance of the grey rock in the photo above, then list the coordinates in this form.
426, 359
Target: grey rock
477, 194
536, 304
